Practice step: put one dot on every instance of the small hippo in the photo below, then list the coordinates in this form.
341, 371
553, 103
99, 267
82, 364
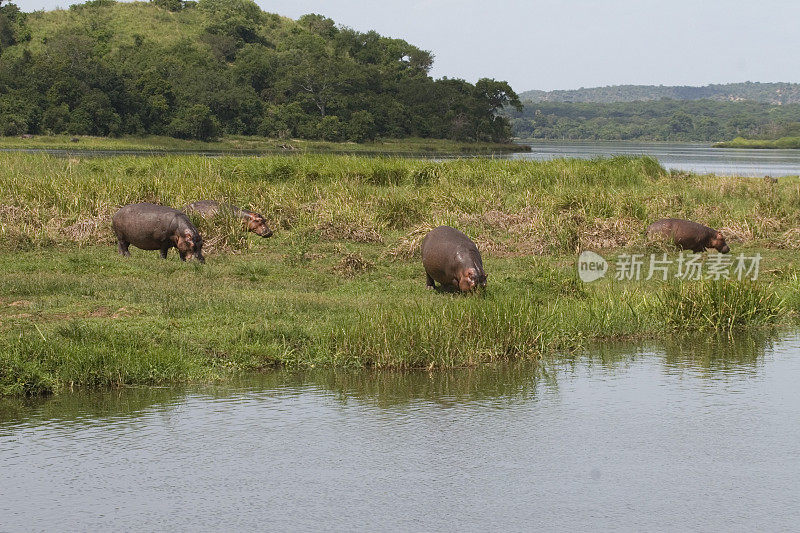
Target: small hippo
452, 259
688, 235
252, 221
156, 227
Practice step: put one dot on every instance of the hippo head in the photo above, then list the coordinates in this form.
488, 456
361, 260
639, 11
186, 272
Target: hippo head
190, 245
471, 279
257, 224
718, 243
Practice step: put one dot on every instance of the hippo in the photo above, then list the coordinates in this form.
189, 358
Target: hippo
252, 221
688, 235
452, 259
156, 227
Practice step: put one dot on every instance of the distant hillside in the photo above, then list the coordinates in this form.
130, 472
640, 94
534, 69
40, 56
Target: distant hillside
198, 69
656, 120
768, 93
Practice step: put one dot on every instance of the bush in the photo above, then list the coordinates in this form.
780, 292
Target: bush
11, 124
361, 127
195, 122
330, 128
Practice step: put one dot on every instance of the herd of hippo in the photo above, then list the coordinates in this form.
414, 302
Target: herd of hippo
157, 227
448, 256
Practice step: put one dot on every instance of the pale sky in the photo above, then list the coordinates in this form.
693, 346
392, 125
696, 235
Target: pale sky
567, 44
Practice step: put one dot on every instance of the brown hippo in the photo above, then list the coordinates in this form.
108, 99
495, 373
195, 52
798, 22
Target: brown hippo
688, 235
452, 259
252, 221
156, 227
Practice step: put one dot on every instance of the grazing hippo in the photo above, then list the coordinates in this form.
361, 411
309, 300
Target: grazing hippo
688, 235
156, 227
452, 259
252, 221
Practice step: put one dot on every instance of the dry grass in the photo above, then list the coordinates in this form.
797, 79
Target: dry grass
408, 246
342, 231
353, 264
606, 233
90, 230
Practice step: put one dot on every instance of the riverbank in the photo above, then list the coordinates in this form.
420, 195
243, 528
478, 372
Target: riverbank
251, 145
340, 283
740, 142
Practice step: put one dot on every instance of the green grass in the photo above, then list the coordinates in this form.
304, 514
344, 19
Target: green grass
340, 284
240, 144
740, 142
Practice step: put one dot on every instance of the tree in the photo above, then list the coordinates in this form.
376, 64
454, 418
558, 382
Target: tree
169, 5
238, 19
313, 70
13, 28
248, 72
194, 122
361, 127
681, 122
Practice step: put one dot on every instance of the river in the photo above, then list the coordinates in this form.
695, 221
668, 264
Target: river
689, 157
687, 435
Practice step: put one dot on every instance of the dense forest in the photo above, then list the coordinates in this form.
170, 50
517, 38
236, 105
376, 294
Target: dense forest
661, 120
769, 93
200, 69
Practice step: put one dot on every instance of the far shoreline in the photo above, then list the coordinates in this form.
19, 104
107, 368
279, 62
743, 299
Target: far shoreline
245, 145
784, 143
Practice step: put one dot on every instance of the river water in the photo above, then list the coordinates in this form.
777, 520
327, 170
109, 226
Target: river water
689, 157
695, 434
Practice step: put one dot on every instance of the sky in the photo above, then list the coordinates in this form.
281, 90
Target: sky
568, 44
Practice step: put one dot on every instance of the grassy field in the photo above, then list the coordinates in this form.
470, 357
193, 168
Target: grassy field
239, 144
340, 284
740, 142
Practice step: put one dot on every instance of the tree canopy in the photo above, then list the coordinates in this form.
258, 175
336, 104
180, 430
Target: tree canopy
198, 69
659, 120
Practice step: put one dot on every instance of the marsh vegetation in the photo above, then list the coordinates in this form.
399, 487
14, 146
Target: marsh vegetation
340, 283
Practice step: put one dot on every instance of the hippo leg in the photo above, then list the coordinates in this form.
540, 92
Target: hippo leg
122, 248
429, 284
164, 252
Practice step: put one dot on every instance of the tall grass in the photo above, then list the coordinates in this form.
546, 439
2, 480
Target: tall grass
719, 305
514, 206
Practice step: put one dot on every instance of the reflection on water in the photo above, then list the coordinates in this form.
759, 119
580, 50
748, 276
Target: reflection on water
695, 433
